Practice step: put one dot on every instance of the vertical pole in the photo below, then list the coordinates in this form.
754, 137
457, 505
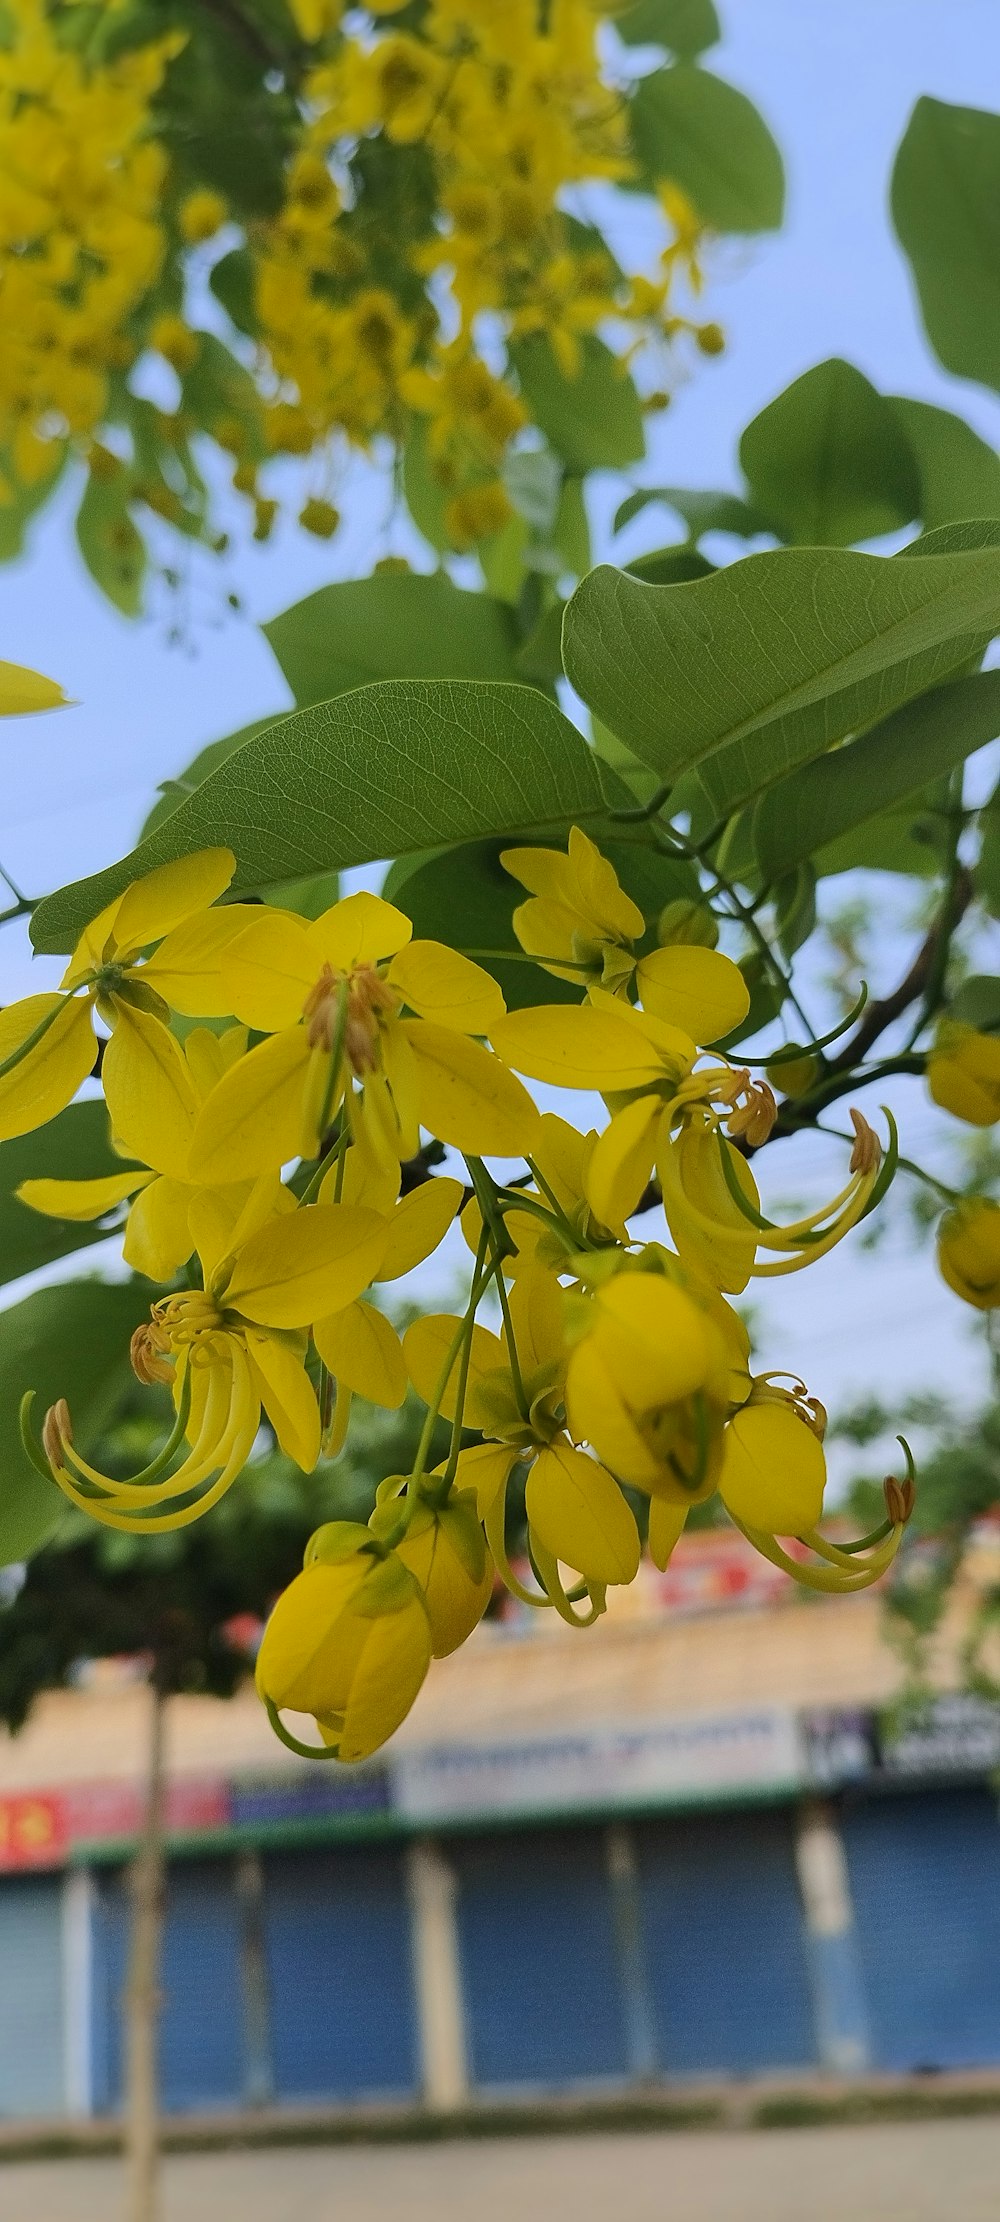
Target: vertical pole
78, 1985
626, 1903
258, 2068
142, 1997
438, 1973
838, 1994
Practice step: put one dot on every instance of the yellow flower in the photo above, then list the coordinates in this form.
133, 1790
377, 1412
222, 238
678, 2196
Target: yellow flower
358, 1345
963, 1074
445, 1549
331, 995
24, 691
969, 1251
648, 1386
349, 1641
175, 341
576, 1512
229, 1349
201, 215
773, 1469
477, 513
46, 1042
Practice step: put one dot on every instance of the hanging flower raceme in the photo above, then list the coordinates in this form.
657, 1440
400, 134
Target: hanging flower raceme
271, 1159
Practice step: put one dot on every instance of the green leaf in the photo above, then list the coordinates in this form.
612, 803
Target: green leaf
465, 898
571, 534
110, 543
427, 496
708, 512
686, 27
977, 1003
74, 1146
895, 759
540, 657
172, 792
959, 472
232, 282
709, 138
670, 566
760, 667
830, 461
221, 397
70, 1341
381, 772
594, 421
394, 625
907, 840
946, 209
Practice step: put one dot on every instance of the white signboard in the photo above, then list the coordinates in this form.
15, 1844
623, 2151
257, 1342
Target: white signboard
677, 1762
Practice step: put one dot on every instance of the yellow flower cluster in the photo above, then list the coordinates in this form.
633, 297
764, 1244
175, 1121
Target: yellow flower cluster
266, 1196
80, 236
423, 236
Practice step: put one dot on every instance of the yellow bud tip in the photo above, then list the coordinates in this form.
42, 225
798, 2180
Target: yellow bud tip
900, 1498
57, 1432
866, 1155
754, 1117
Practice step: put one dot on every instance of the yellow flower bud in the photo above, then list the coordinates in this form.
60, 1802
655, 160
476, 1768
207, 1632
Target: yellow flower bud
969, 1251
320, 518
963, 1074
349, 1641
201, 215
794, 1076
642, 1382
773, 1469
478, 513
685, 921
174, 340
445, 1549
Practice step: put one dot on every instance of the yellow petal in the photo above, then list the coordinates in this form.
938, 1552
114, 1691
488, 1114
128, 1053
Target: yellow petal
297, 1662
657, 1342
536, 1310
598, 1415
418, 1223
366, 1180
666, 1526
187, 968
455, 1577
148, 1091
223, 1219
580, 1515
622, 1162
485, 1467
390, 1671
579, 1046
306, 1264
287, 1396
440, 984
157, 1237
599, 891
707, 1225
773, 1470
80, 1199
362, 1349
251, 1123
697, 989
426, 1345
47, 1078
154, 905
548, 931
963, 1075
467, 1097
362, 929
268, 971
22, 691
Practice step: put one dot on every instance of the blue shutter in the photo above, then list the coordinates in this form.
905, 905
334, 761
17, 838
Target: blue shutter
31, 1996
925, 1878
202, 2018
725, 1950
340, 1974
540, 1972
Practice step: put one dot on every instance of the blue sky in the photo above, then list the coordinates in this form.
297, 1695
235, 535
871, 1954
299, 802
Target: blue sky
836, 86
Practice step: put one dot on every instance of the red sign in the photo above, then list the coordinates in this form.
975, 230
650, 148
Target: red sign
33, 1830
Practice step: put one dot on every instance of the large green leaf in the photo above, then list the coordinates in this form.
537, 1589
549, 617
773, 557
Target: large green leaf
829, 461
946, 209
388, 769
172, 792
759, 668
693, 128
593, 420
959, 472
394, 625
823, 800
74, 1146
465, 897
71, 1341
686, 27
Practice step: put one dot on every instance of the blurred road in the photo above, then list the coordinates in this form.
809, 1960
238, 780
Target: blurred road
914, 2172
